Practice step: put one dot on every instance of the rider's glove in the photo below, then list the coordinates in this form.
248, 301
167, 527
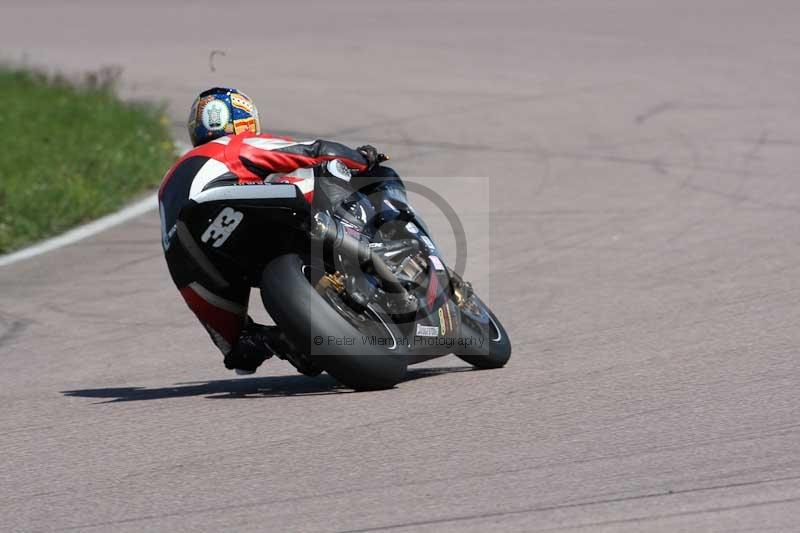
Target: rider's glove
371, 154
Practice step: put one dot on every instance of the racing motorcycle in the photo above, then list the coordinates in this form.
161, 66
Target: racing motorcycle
359, 302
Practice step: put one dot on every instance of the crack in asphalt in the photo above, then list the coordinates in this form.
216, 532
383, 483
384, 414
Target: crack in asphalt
461, 518
478, 516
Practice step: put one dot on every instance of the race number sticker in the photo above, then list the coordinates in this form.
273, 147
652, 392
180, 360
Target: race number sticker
222, 227
427, 331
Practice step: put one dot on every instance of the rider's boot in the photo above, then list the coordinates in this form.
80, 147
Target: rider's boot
257, 343
251, 349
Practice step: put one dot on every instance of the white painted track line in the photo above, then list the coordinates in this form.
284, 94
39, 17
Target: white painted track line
81, 232
89, 229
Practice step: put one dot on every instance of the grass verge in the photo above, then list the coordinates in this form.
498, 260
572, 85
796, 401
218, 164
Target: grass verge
72, 152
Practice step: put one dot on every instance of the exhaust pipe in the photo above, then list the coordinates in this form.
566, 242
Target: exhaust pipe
324, 228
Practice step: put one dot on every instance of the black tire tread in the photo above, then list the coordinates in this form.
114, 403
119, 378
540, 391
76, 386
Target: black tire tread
302, 314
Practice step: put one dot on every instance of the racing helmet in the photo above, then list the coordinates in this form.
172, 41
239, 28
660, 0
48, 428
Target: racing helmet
221, 111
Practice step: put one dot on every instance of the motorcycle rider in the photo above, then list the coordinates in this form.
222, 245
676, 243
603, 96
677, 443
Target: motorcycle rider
230, 151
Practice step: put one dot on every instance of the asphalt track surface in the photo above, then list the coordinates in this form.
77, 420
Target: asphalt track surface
642, 250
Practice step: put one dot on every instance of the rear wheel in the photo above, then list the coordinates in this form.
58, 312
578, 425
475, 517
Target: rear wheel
358, 348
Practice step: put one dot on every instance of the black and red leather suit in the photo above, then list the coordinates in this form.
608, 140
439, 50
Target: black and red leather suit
219, 301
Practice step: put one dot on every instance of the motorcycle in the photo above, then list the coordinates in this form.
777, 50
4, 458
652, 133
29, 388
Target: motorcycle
359, 304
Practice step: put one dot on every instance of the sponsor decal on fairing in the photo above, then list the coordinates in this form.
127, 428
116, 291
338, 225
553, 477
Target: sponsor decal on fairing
428, 243
427, 331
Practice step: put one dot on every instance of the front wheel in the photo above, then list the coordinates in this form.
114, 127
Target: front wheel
478, 322
360, 351
496, 350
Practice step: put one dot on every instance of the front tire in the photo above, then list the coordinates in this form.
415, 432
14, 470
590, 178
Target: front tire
305, 317
497, 349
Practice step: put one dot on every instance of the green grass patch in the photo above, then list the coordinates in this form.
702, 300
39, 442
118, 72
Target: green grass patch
72, 152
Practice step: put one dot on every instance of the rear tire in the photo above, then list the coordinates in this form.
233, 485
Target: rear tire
305, 316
